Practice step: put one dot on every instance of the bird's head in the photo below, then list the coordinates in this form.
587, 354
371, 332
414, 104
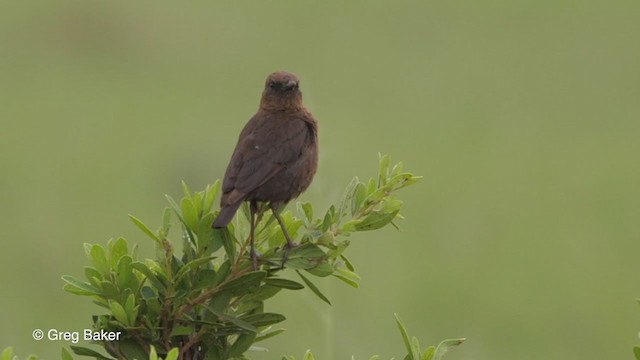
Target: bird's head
281, 92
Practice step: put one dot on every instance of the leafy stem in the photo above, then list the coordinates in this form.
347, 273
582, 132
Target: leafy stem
209, 299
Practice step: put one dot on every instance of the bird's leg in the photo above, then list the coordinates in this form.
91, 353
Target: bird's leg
253, 208
290, 244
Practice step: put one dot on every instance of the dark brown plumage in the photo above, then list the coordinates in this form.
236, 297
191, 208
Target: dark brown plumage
276, 156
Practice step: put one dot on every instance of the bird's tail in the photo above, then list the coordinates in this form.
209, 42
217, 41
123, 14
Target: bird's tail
226, 214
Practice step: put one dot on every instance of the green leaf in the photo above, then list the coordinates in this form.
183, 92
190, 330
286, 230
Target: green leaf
153, 354
349, 226
246, 213
391, 205
428, 353
383, 170
218, 304
182, 330
150, 275
192, 265
102, 302
204, 279
415, 348
359, 194
268, 335
375, 221
214, 353
403, 180
246, 307
147, 293
371, 186
65, 355
222, 273
117, 250
196, 200
405, 338
227, 241
131, 309
347, 281
325, 239
210, 196
217, 240
178, 212
189, 213
321, 270
284, 283
328, 219
305, 256
397, 168
234, 320
307, 209
83, 351
308, 356
87, 249
7, 354
207, 244
348, 274
93, 275
146, 230
74, 290
78, 287
109, 289
255, 347
347, 263
242, 344
245, 283
118, 312
263, 293
125, 271
263, 319
99, 259
172, 354
134, 252
313, 288
399, 181
185, 190
346, 199
445, 346
377, 196
131, 349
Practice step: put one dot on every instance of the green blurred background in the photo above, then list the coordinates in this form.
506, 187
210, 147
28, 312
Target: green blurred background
523, 118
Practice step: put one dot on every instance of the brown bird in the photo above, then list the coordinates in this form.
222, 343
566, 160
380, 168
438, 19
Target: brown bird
275, 159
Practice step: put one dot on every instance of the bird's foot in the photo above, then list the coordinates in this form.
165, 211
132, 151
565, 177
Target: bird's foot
287, 248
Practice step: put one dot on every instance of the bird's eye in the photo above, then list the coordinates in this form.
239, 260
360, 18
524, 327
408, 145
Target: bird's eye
272, 84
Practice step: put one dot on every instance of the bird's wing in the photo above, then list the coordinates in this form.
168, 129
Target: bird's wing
262, 152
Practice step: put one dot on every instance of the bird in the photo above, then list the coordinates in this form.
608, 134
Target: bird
275, 158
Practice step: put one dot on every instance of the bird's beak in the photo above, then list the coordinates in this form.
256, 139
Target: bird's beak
291, 84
